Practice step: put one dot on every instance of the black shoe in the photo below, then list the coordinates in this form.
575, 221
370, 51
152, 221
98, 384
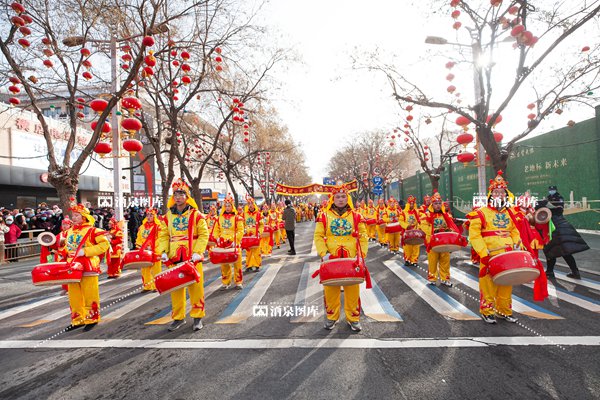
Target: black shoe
355, 326
574, 275
407, 264
89, 327
488, 319
507, 318
73, 327
176, 324
293, 253
550, 274
329, 324
197, 324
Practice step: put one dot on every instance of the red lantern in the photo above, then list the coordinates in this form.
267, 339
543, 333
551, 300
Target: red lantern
463, 121
409, 118
131, 124
185, 55
150, 60
17, 7
87, 64
456, 25
46, 41
148, 41
219, 68
409, 108
496, 122
132, 146
85, 52
186, 80
147, 72
131, 104
455, 14
14, 90
126, 57
218, 59
48, 52
186, 67
125, 66
14, 80
451, 89
531, 116
87, 75
454, 3
98, 105
513, 10
14, 101
246, 139
27, 18
24, 43
48, 63
218, 50
450, 64
25, 31
517, 30
450, 77
464, 139
495, 3
531, 106
103, 148
585, 48
498, 137
80, 115
465, 158
106, 128
17, 21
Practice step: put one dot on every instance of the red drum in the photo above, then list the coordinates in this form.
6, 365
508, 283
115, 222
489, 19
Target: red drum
282, 225
138, 259
178, 277
223, 256
393, 227
414, 236
267, 231
370, 221
56, 273
513, 268
446, 242
250, 242
211, 241
342, 272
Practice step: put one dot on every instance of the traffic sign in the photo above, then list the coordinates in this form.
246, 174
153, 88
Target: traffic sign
377, 180
378, 190
328, 181
376, 171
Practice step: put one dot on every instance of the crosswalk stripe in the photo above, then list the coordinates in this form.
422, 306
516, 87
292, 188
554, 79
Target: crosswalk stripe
37, 303
240, 309
571, 297
519, 305
583, 281
434, 296
119, 312
164, 317
64, 311
309, 293
376, 305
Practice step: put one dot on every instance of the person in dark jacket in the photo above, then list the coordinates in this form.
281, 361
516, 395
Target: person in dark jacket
566, 241
289, 218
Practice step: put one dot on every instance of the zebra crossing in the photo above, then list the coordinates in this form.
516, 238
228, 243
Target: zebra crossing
125, 297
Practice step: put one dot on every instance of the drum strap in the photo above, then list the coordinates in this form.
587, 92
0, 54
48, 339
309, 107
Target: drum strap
83, 240
359, 253
149, 238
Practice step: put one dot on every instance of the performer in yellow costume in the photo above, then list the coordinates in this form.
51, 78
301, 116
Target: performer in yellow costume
273, 219
392, 216
147, 237
266, 239
184, 238
229, 231
335, 237
381, 212
211, 219
282, 232
114, 255
371, 214
437, 220
253, 226
424, 209
493, 232
411, 220
84, 243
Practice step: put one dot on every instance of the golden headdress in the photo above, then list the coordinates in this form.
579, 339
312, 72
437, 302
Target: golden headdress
341, 188
81, 209
180, 186
228, 200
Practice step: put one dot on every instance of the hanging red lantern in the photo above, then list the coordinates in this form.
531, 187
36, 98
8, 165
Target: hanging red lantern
517, 30
27, 18
496, 122
218, 50
131, 104
451, 89
585, 48
80, 115
125, 66
246, 139
131, 124
147, 72
531, 116
105, 128
186, 67
14, 101
409, 118
24, 43
455, 14
498, 137
103, 148
132, 146
185, 55
531, 106
48, 52
465, 158
450, 77
186, 80
48, 63
450, 64
463, 121
219, 68
17, 7
13, 89
513, 10
25, 31
175, 63
464, 139
495, 3
218, 59
409, 108
454, 3
46, 41
87, 75
148, 41
150, 60
126, 57
98, 105
17, 21
456, 25
85, 52
87, 64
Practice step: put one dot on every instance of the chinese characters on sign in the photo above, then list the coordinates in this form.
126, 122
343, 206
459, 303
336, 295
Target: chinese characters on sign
288, 311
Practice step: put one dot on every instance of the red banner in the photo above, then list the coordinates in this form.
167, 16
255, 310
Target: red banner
311, 189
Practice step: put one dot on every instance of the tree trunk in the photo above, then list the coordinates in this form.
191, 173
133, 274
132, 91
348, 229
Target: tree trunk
65, 184
435, 182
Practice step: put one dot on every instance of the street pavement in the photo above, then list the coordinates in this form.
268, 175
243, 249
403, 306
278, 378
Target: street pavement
267, 340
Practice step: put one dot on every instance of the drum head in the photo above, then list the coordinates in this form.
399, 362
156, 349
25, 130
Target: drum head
446, 248
516, 276
137, 265
342, 281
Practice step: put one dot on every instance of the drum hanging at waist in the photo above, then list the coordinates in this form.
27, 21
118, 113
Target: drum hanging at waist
513, 268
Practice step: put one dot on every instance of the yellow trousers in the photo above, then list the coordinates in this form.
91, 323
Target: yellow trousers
253, 258
84, 300
238, 276
148, 275
394, 241
381, 235
371, 231
196, 299
411, 252
265, 246
494, 298
439, 266
351, 302
283, 234
277, 238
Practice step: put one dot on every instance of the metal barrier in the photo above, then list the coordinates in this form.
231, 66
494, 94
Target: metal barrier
24, 248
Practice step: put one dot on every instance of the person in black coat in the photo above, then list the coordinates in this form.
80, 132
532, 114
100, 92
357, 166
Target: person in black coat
566, 241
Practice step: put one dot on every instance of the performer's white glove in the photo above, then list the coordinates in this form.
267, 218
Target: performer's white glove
196, 257
164, 257
80, 253
325, 257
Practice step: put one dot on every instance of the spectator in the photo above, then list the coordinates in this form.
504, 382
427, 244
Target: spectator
289, 218
10, 237
3, 229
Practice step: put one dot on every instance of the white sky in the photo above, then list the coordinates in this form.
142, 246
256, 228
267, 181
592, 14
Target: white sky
324, 101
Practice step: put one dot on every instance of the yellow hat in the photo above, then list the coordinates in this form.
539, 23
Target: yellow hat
228, 200
180, 186
81, 209
342, 188
500, 183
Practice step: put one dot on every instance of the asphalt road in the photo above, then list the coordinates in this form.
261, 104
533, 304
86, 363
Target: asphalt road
407, 349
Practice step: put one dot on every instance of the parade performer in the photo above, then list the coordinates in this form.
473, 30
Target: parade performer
340, 233
84, 244
437, 219
411, 220
184, 238
371, 216
211, 219
266, 239
273, 222
381, 211
393, 216
229, 231
147, 238
114, 255
281, 224
491, 233
424, 209
253, 226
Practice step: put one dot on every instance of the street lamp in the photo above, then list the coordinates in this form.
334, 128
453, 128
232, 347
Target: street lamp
450, 192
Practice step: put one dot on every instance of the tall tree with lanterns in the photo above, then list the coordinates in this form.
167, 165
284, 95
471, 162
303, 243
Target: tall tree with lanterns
552, 66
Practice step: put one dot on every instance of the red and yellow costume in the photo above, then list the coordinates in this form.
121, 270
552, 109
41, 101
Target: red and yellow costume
335, 234
282, 232
84, 297
393, 215
266, 241
381, 212
185, 234
229, 231
253, 226
114, 255
371, 213
493, 232
148, 238
211, 219
424, 209
411, 219
434, 222
273, 219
